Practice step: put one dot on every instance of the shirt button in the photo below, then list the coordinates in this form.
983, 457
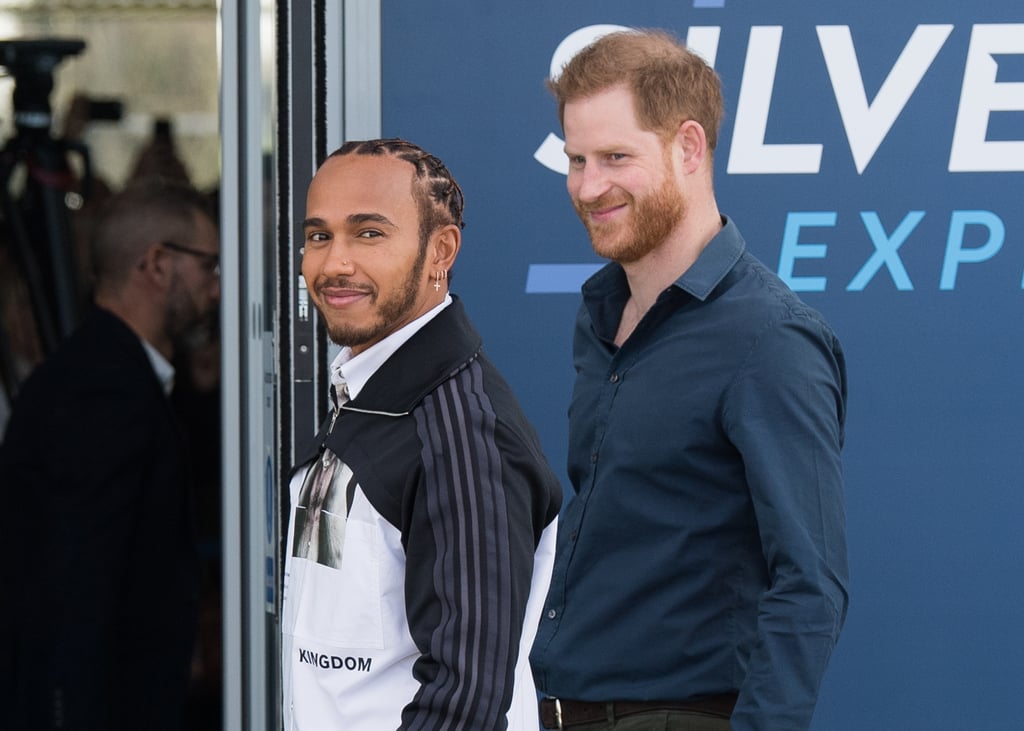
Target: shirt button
552, 614
593, 458
614, 378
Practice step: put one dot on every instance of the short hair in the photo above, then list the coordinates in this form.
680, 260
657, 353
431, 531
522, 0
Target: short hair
438, 197
148, 212
670, 83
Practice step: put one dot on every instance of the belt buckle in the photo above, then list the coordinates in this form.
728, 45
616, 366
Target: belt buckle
558, 714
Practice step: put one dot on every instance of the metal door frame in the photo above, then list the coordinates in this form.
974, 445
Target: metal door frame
326, 88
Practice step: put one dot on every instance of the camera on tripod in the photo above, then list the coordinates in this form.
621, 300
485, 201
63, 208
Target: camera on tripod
31, 63
36, 181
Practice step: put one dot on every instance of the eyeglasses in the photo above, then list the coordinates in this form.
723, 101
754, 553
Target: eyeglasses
211, 262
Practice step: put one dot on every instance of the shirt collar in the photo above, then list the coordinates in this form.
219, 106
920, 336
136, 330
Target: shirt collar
161, 366
355, 370
606, 292
699, 280
717, 260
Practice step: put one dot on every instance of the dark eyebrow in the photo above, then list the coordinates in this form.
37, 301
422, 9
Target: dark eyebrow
354, 218
368, 218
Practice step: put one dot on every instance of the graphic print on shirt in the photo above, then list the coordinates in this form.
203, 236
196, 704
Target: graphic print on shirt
322, 511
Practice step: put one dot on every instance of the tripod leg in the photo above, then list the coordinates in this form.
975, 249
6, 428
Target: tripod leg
25, 260
8, 370
53, 179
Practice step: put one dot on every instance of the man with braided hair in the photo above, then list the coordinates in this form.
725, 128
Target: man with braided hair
422, 523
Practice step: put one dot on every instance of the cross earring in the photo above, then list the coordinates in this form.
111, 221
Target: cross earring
439, 276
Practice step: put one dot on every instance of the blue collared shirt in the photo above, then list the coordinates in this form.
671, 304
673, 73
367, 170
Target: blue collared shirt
704, 550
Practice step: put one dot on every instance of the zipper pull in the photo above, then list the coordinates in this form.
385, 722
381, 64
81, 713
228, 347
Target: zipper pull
324, 452
339, 396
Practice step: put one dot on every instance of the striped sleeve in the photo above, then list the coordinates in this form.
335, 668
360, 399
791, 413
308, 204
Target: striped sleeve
469, 560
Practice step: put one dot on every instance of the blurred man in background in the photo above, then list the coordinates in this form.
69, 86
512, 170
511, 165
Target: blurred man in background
94, 478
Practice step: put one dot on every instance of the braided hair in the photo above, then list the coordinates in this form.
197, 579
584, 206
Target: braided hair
437, 194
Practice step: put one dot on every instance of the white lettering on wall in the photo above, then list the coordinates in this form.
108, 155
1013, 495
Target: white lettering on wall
750, 153
867, 124
980, 95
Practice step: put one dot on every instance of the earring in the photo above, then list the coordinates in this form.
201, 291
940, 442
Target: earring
439, 276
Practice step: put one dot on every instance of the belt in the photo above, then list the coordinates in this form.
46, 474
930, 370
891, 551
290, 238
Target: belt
560, 713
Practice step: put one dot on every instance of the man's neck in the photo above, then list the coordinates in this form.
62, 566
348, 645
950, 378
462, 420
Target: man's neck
141, 319
653, 273
356, 370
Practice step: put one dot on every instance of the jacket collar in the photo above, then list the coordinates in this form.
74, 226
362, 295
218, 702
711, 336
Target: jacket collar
443, 346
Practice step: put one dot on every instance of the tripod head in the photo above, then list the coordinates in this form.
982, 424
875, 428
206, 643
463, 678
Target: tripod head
31, 62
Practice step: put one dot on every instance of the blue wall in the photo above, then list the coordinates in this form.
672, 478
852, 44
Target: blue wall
898, 211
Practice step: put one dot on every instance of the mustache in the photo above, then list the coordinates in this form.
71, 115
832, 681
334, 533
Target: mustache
602, 203
342, 283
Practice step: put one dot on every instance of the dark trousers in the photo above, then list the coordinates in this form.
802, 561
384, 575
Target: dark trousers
657, 721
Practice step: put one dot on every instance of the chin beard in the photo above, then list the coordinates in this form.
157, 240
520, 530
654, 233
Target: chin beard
198, 334
651, 219
390, 311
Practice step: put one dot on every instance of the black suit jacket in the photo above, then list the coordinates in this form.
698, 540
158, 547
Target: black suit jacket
99, 553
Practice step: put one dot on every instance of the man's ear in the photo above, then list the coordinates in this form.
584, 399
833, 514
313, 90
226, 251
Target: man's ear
693, 144
155, 265
445, 245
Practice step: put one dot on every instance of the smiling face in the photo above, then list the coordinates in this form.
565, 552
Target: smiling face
621, 180
363, 258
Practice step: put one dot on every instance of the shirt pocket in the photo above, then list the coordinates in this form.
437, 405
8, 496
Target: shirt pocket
342, 605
